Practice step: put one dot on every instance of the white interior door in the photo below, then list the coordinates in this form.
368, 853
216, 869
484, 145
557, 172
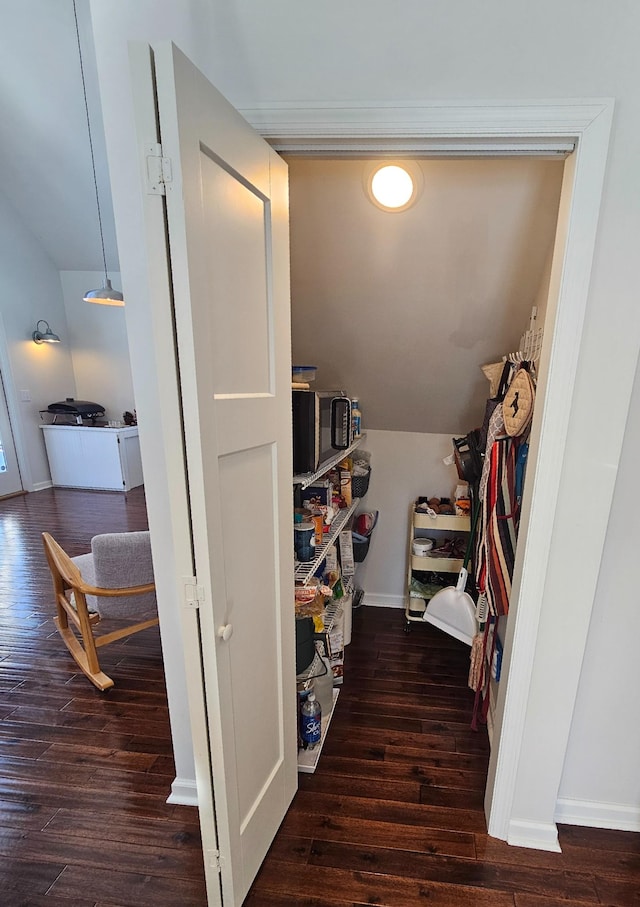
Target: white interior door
227, 209
10, 481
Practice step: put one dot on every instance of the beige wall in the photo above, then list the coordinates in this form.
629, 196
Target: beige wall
99, 346
30, 290
402, 308
404, 465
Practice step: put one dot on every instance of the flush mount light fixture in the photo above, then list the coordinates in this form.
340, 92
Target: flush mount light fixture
47, 336
394, 186
106, 295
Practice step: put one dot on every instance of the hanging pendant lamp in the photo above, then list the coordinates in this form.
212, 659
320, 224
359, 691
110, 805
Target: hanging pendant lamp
106, 295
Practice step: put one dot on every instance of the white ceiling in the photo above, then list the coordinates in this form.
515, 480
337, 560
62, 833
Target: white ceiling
45, 161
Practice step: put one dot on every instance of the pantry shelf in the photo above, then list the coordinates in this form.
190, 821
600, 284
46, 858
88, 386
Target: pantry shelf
308, 478
305, 571
308, 759
316, 667
441, 521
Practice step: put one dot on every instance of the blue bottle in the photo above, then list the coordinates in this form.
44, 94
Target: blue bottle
310, 722
356, 418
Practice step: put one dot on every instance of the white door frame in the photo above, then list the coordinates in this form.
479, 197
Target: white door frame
512, 128
11, 397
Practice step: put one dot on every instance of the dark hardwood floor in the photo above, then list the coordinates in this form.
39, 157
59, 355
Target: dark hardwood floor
393, 816
84, 775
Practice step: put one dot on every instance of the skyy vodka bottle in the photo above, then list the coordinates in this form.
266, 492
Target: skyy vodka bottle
311, 722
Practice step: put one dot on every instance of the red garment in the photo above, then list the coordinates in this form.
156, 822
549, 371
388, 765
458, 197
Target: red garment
496, 548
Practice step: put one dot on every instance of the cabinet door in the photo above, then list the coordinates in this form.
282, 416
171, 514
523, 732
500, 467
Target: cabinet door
84, 458
130, 459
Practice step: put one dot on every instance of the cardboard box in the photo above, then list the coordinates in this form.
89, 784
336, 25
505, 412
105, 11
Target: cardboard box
347, 562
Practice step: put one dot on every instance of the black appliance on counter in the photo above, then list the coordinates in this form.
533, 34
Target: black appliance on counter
321, 426
75, 410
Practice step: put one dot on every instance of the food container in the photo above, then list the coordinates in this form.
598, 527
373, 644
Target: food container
303, 373
305, 645
304, 541
422, 547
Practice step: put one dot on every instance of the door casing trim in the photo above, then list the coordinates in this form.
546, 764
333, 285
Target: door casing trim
502, 128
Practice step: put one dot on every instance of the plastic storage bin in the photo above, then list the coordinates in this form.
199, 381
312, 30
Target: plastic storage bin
360, 485
360, 550
303, 372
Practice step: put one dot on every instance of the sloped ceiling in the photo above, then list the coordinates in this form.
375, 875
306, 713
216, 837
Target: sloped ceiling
402, 309
45, 161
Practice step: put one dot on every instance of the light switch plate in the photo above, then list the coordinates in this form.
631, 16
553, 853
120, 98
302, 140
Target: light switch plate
25, 396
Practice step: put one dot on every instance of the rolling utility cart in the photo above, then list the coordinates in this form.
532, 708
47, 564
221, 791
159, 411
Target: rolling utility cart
443, 530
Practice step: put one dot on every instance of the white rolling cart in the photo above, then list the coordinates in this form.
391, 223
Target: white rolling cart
438, 528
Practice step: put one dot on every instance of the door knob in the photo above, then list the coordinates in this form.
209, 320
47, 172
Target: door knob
226, 632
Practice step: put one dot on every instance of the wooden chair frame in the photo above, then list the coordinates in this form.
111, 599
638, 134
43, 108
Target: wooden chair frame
66, 576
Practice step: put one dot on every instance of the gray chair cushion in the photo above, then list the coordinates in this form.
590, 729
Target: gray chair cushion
84, 563
118, 560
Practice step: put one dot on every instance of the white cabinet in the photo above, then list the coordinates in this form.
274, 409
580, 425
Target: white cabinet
82, 456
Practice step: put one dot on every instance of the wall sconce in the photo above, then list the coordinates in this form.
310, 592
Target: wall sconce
47, 336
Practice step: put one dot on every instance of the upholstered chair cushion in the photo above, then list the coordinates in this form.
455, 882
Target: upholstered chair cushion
119, 560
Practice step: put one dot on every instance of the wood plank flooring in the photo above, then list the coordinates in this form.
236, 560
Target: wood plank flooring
84, 775
392, 817
394, 813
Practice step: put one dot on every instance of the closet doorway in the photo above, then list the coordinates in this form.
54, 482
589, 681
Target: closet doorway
401, 310
581, 131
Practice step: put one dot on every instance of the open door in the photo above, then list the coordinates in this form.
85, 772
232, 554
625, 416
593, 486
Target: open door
228, 237
10, 480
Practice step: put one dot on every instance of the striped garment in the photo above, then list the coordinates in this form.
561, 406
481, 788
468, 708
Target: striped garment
496, 547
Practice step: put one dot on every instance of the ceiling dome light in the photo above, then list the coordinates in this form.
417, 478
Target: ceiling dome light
393, 186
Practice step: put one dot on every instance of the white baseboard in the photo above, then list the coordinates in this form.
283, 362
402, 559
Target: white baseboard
536, 835
597, 815
183, 791
40, 486
374, 600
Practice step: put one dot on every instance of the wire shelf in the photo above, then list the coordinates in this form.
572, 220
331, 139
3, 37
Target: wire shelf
308, 478
305, 571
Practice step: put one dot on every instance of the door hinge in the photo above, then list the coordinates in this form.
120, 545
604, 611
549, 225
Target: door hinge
159, 171
215, 860
193, 593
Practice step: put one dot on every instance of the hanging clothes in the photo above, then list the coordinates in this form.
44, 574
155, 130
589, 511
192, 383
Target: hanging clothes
501, 526
500, 492
495, 432
496, 557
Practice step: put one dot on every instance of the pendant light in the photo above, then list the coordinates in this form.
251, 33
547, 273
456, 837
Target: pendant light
106, 295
